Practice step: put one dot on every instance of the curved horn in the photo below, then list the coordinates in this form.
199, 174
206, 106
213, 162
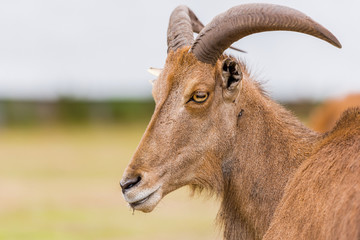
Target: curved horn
243, 20
182, 24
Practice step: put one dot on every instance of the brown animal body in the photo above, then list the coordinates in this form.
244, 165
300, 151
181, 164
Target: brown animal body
322, 200
214, 128
323, 118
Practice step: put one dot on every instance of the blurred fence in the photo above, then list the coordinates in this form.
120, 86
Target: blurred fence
70, 111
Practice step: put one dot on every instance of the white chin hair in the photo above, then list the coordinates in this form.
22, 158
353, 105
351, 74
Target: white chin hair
144, 200
149, 204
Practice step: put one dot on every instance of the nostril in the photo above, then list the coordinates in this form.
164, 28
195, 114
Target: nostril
129, 183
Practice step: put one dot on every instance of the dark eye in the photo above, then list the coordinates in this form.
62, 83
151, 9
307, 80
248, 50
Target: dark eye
200, 97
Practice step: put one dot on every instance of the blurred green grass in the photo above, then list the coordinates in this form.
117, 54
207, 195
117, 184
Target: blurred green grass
61, 182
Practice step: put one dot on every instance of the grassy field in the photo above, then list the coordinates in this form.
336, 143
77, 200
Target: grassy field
61, 182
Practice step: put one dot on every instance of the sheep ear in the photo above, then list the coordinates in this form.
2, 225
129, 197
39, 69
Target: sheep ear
231, 76
154, 71
152, 81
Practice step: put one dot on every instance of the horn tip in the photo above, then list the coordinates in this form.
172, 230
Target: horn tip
336, 43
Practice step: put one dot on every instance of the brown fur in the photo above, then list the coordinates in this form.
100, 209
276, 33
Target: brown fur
323, 118
322, 200
247, 160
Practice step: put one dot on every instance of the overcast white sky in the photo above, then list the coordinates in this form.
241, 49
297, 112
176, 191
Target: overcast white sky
101, 49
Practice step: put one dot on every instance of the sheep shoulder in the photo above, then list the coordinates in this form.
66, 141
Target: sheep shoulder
322, 199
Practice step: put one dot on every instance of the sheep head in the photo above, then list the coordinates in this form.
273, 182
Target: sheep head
198, 99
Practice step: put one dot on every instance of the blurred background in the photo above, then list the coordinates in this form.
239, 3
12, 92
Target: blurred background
75, 99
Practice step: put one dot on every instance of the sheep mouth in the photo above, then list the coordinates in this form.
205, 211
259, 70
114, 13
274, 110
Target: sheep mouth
137, 203
142, 201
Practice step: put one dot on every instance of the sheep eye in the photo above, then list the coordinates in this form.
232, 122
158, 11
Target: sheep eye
200, 97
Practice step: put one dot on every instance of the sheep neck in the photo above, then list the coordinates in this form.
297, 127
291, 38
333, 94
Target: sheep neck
271, 144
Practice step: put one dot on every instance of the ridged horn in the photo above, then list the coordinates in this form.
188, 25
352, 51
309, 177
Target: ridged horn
243, 20
183, 22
